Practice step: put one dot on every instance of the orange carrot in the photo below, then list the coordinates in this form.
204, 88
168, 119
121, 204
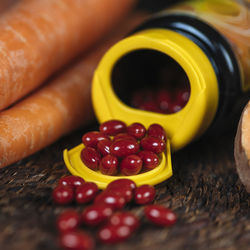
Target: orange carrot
37, 37
55, 109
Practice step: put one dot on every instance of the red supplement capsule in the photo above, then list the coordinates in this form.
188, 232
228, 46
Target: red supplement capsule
63, 195
124, 191
113, 127
122, 183
96, 214
77, 241
153, 144
109, 165
104, 147
124, 136
160, 215
150, 160
137, 130
111, 234
131, 165
86, 193
124, 147
156, 130
72, 181
91, 158
150, 106
175, 107
111, 199
182, 96
91, 139
124, 218
164, 99
144, 194
68, 221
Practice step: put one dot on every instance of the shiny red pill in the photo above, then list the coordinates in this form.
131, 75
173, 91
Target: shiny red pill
109, 165
137, 130
111, 199
63, 195
153, 144
182, 96
91, 158
124, 136
104, 147
124, 218
86, 193
150, 106
156, 130
96, 214
124, 191
78, 240
160, 215
122, 183
164, 99
68, 221
91, 139
144, 194
113, 127
150, 160
124, 147
131, 165
175, 107
72, 181
110, 234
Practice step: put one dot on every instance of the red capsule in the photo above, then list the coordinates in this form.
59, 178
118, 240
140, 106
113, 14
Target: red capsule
104, 147
124, 191
124, 147
86, 193
96, 214
150, 160
164, 99
144, 194
160, 215
124, 218
137, 99
109, 165
182, 96
150, 106
131, 165
68, 221
63, 195
175, 107
91, 158
122, 183
91, 139
156, 130
111, 234
72, 181
124, 136
137, 130
113, 127
111, 199
77, 241
153, 144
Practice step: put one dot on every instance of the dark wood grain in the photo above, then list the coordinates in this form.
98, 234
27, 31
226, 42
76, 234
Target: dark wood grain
212, 206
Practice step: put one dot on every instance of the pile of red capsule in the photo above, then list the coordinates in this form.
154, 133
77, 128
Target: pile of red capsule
120, 149
162, 101
106, 212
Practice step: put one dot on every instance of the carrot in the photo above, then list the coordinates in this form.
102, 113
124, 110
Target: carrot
37, 37
55, 109
5, 4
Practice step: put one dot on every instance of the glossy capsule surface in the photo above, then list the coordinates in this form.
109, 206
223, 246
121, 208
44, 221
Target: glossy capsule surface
68, 221
156, 130
131, 165
104, 147
124, 191
153, 144
86, 193
150, 159
109, 165
63, 195
124, 136
91, 139
71, 180
91, 158
113, 127
160, 215
124, 147
137, 130
144, 194
122, 183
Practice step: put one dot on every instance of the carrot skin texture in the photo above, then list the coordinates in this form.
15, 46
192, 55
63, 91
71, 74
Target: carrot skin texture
37, 37
62, 105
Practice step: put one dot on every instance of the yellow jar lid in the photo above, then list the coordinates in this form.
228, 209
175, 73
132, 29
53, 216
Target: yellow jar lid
76, 167
181, 127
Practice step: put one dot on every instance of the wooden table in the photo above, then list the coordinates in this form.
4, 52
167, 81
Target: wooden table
212, 206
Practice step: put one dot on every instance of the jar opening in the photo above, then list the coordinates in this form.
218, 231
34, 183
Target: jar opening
151, 80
